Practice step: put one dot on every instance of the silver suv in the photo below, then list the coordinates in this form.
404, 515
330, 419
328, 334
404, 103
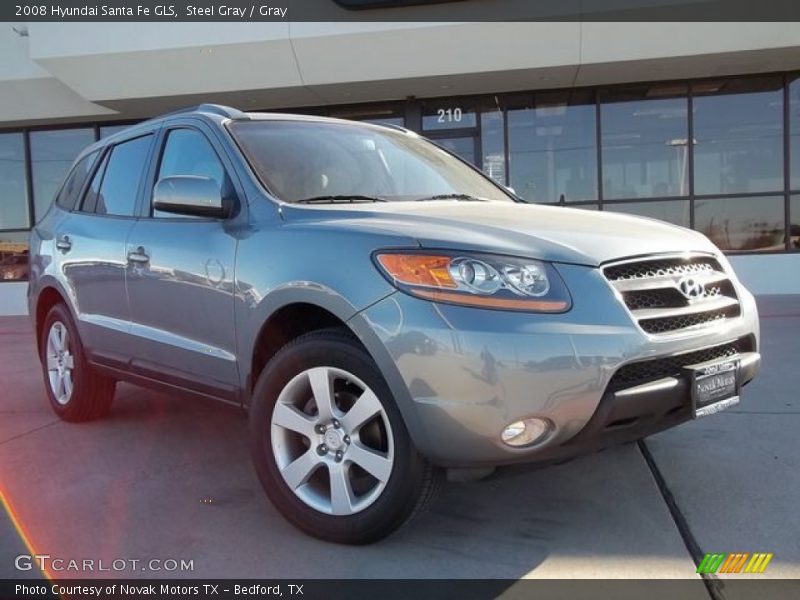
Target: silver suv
381, 308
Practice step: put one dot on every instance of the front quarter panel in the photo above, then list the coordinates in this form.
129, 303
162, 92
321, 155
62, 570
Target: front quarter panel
282, 264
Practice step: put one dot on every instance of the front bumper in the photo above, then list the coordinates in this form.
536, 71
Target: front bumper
460, 375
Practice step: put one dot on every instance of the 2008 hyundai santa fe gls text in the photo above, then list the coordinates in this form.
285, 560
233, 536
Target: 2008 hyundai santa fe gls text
381, 308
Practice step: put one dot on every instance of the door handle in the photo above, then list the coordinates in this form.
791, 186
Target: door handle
63, 243
138, 256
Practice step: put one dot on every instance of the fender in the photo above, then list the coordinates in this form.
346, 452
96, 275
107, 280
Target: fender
37, 288
250, 320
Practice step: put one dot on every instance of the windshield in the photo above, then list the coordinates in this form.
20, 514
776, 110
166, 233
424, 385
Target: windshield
311, 160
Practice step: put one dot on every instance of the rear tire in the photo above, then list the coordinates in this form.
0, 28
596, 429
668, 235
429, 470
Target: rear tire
75, 390
329, 443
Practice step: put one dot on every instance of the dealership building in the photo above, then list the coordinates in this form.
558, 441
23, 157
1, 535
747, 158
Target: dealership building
694, 123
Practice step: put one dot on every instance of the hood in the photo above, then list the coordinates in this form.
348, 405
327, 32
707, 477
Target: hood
551, 233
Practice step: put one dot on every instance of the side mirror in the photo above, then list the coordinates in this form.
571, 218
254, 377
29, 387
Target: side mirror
510, 189
190, 195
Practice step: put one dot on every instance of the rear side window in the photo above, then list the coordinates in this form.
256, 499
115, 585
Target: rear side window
93, 192
68, 195
120, 181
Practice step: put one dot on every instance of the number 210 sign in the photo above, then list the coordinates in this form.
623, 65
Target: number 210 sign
449, 115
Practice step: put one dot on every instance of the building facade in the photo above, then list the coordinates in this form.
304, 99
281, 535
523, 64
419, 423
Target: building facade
697, 124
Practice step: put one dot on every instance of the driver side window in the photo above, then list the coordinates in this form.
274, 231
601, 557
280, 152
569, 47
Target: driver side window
188, 152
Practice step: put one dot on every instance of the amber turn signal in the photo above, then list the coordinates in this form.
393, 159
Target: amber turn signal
419, 269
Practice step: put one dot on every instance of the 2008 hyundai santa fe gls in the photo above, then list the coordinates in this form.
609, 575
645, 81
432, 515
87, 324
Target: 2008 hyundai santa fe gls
381, 308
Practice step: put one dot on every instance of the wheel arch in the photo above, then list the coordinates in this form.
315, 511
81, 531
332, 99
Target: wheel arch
294, 312
48, 296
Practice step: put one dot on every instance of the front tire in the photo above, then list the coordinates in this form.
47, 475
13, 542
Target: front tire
75, 390
329, 444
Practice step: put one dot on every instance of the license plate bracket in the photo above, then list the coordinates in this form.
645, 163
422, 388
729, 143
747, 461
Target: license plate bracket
715, 386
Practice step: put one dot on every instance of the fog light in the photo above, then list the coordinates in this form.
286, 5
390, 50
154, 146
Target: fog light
525, 432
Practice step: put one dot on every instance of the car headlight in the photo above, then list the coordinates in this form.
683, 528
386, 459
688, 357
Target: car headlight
482, 280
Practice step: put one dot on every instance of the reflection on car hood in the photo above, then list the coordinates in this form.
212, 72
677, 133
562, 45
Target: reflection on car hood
547, 232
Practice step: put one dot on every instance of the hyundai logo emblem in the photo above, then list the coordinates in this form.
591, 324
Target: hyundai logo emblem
691, 288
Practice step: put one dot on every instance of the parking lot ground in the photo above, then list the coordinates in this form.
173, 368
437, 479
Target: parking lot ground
736, 476
169, 478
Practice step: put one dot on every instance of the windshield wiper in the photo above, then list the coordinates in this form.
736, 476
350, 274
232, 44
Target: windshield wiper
465, 197
341, 198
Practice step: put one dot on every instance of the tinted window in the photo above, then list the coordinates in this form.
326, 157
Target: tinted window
493, 144
121, 180
738, 130
645, 143
460, 146
188, 152
553, 148
742, 224
68, 194
52, 154
14, 256
13, 199
93, 192
107, 130
794, 132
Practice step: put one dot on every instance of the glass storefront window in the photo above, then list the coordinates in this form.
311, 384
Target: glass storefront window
553, 148
460, 146
742, 224
107, 130
794, 133
645, 142
738, 131
493, 147
13, 196
794, 223
671, 211
379, 115
13, 256
52, 153
448, 114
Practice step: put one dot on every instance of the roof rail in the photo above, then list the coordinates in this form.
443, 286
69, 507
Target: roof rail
216, 109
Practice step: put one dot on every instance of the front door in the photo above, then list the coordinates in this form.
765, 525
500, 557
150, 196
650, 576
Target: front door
180, 280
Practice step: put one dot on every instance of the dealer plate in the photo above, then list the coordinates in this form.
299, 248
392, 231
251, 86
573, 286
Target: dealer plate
715, 386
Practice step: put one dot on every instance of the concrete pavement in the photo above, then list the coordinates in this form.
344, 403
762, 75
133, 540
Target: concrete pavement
167, 477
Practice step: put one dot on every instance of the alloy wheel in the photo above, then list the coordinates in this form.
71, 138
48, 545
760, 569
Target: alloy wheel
60, 363
332, 441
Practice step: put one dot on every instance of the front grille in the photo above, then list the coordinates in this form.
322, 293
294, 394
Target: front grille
646, 269
669, 324
670, 366
652, 290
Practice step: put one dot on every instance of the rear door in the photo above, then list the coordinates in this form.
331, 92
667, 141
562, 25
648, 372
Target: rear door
91, 246
180, 277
